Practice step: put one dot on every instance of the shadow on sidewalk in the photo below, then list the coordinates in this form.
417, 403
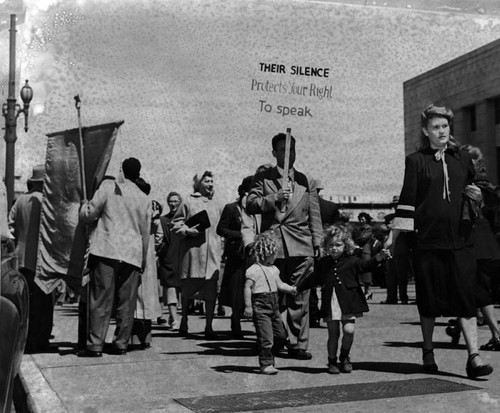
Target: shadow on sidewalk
417, 323
224, 348
418, 344
399, 368
230, 368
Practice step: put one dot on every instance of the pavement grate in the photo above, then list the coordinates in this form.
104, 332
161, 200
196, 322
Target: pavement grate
341, 393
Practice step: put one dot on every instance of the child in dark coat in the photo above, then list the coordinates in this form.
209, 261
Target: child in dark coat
345, 301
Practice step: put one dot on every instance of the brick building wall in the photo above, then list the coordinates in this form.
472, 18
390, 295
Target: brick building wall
470, 86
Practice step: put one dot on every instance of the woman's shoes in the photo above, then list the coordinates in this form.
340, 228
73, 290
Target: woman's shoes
211, 335
269, 370
454, 332
492, 345
474, 372
430, 365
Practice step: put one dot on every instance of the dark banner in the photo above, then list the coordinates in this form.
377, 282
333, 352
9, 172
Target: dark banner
62, 247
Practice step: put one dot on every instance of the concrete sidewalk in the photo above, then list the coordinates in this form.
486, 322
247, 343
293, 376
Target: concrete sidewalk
386, 348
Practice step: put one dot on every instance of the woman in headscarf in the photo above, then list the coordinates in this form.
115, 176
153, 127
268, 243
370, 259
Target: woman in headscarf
200, 249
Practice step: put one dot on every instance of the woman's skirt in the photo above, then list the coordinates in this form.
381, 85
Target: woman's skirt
445, 282
233, 282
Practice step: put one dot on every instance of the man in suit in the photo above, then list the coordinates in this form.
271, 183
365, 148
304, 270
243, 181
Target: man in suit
24, 224
291, 212
118, 251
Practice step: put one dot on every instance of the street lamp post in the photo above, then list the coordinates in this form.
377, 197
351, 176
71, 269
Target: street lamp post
11, 110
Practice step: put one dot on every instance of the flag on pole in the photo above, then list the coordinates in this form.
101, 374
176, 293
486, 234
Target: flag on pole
62, 247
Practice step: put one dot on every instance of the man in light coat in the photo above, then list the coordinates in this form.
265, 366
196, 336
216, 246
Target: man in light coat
292, 213
118, 251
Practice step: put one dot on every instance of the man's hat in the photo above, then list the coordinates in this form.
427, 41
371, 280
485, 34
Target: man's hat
37, 174
317, 183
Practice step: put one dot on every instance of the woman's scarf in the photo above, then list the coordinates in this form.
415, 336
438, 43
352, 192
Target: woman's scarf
439, 156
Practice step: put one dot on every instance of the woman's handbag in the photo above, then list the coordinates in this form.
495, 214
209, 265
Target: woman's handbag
141, 333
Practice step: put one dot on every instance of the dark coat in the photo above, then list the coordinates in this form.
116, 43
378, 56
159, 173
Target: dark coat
169, 258
342, 275
330, 213
486, 246
229, 228
437, 221
233, 281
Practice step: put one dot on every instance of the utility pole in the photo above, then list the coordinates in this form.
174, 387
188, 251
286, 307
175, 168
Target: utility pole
11, 110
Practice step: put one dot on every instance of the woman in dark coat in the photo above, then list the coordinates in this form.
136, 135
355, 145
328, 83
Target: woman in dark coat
486, 249
233, 281
364, 238
169, 261
437, 179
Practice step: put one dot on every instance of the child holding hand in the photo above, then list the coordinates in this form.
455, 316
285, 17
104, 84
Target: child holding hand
261, 300
345, 301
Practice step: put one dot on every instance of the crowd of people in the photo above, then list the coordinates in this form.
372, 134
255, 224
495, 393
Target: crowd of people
277, 244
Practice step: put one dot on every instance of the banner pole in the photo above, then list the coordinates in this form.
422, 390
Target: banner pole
86, 278
78, 104
286, 166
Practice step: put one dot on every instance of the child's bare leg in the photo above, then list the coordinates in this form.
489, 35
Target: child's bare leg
172, 309
345, 365
347, 337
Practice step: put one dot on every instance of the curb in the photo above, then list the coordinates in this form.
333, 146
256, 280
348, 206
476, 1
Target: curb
35, 394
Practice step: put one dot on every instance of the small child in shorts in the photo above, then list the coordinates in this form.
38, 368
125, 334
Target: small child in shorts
261, 300
339, 272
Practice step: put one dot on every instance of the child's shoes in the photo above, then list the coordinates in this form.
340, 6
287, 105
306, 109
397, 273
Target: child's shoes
345, 365
332, 366
269, 370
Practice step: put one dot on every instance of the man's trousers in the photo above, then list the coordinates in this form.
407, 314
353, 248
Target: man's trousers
111, 281
295, 309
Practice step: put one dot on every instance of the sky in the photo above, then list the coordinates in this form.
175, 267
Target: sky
190, 80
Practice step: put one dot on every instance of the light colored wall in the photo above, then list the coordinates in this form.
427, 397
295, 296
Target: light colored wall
471, 79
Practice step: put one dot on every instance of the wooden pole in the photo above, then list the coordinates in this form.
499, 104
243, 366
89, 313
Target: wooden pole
286, 166
86, 278
78, 104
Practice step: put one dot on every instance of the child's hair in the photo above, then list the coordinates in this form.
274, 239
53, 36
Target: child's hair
263, 247
334, 231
